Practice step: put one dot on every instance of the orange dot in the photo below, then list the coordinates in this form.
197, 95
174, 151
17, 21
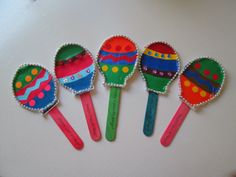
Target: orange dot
195, 89
34, 71
187, 83
18, 84
203, 94
28, 78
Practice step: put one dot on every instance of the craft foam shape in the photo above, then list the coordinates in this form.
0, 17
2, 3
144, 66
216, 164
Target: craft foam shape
35, 89
200, 82
75, 70
117, 60
159, 65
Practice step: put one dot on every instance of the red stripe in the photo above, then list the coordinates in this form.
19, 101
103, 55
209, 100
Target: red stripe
73, 67
116, 59
37, 91
22, 91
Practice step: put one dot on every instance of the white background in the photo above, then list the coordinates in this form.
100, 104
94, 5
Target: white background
31, 146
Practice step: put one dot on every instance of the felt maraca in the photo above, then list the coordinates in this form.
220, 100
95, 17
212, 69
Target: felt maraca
200, 82
75, 70
117, 60
35, 89
159, 65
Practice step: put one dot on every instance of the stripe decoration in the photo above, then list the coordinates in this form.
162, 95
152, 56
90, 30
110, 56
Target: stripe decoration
201, 81
34, 88
75, 68
117, 60
159, 65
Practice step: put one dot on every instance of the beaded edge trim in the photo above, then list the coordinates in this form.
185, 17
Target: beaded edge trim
193, 106
129, 75
93, 76
45, 109
172, 79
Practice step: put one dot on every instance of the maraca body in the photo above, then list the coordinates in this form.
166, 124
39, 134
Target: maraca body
75, 68
201, 80
34, 88
117, 59
159, 66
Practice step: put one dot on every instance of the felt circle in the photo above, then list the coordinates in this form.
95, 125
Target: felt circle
187, 83
32, 103
203, 94
47, 88
28, 78
195, 89
105, 68
34, 71
115, 69
41, 95
18, 84
125, 69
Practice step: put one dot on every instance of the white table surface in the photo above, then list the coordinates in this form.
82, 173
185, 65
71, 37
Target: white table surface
31, 146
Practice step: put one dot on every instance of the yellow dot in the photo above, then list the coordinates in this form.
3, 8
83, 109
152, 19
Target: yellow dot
115, 69
28, 78
125, 69
34, 71
18, 84
195, 89
104, 68
187, 83
203, 94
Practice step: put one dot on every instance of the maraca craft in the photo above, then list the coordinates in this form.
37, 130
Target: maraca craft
35, 89
117, 60
200, 82
159, 65
75, 70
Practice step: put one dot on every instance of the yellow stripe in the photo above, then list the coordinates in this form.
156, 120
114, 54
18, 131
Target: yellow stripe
155, 54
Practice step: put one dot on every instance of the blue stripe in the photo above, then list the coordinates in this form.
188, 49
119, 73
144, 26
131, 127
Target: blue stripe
201, 81
121, 62
47, 99
158, 64
129, 54
81, 84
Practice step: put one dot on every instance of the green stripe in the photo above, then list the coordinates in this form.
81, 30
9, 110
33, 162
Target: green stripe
68, 51
116, 78
212, 66
22, 73
156, 83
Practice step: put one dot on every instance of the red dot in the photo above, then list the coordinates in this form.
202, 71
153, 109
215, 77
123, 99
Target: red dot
118, 48
108, 46
197, 65
47, 88
32, 103
206, 72
215, 76
40, 95
127, 48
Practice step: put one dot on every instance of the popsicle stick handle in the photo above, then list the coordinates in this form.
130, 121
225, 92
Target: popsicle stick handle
66, 128
90, 115
150, 115
113, 111
175, 124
